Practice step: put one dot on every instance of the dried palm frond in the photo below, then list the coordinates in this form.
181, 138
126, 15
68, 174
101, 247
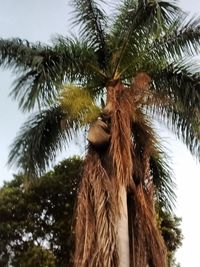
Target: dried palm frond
96, 216
121, 142
149, 247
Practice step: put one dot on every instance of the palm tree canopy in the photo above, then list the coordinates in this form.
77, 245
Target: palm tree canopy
149, 36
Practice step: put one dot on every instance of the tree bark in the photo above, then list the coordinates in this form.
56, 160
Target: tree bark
123, 231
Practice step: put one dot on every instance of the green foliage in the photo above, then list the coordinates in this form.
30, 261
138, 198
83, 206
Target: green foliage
163, 181
44, 137
92, 21
36, 219
179, 110
37, 256
37, 66
171, 232
41, 69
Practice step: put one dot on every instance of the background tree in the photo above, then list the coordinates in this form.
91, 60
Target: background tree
36, 223
111, 59
170, 226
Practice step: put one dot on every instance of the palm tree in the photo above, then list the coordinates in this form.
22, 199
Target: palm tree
116, 76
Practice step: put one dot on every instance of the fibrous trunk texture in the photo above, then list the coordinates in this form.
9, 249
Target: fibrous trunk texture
108, 175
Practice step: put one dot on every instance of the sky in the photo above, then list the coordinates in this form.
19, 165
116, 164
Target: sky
41, 20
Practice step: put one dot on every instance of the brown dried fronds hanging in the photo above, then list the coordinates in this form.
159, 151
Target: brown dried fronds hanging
146, 242
145, 145
96, 214
140, 88
143, 133
149, 246
145, 238
121, 141
141, 81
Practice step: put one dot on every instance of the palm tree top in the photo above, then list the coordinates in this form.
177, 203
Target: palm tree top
143, 36
148, 35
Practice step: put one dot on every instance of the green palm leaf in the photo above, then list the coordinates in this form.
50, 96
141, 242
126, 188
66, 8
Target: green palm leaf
39, 67
180, 83
147, 50
175, 102
136, 22
136, 15
42, 69
182, 37
163, 181
92, 21
40, 138
183, 123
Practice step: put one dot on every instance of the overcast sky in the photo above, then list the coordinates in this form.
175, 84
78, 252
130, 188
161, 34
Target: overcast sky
40, 20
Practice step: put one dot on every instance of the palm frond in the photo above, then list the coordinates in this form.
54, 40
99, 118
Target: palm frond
148, 49
139, 14
46, 132
181, 121
176, 102
92, 20
81, 64
186, 126
146, 18
18, 53
79, 59
179, 41
124, 16
39, 67
42, 69
163, 181
40, 138
182, 37
180, 82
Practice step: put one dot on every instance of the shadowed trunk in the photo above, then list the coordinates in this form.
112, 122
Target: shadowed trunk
102, 210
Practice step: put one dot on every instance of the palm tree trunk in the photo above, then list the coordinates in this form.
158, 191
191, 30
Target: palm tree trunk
123, 231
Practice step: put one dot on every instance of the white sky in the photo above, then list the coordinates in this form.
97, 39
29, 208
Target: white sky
40, 20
